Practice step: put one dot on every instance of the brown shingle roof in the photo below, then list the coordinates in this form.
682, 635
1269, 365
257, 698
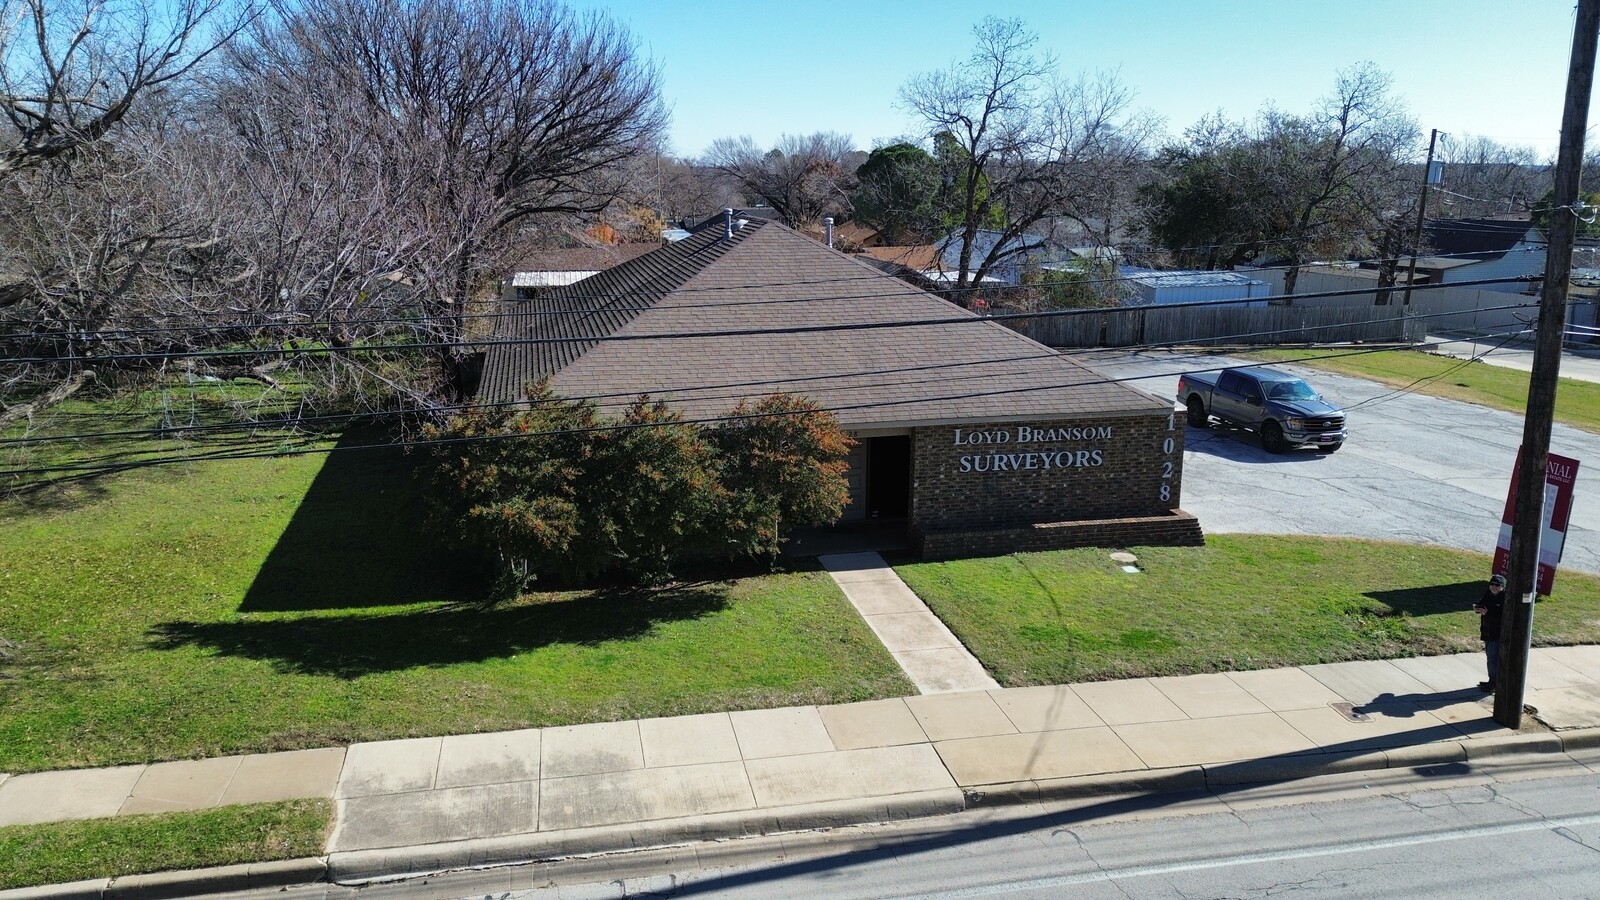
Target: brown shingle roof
769, 277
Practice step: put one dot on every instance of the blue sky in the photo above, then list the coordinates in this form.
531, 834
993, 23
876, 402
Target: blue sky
765, 68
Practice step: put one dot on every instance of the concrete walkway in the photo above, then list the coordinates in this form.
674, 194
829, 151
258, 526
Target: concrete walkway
1578, 361
932, 657
431, 804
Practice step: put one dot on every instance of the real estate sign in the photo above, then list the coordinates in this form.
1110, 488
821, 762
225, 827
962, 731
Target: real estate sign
1559, 477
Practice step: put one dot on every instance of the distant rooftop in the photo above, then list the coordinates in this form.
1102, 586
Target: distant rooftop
1156, 278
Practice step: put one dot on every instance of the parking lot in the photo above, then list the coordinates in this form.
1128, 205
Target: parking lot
1415, 468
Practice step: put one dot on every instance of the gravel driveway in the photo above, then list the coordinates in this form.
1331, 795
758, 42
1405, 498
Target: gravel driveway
1416, 468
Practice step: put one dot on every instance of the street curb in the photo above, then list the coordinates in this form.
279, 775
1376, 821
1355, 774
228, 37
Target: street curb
182, 883
393, 864
1579, 738
72, 890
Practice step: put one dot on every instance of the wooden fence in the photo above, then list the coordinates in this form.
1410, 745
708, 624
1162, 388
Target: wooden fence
1226, 325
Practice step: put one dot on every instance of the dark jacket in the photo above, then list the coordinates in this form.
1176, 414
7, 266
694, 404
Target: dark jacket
1489, 622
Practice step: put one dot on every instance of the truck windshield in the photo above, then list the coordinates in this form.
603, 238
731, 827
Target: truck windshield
1290, 390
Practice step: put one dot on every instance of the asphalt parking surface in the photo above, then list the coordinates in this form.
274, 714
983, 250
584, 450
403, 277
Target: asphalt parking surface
1415, 468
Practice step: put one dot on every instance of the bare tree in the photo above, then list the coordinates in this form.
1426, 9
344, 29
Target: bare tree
804, 178
1483, 177
1029, 147
1340, 166
70, 72
481, 115
1333, 183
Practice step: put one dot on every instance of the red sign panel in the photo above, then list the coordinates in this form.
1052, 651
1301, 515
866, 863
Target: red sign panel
1559, 477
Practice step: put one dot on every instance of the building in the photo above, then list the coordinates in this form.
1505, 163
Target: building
1474, 249
556, 268
1019, 254
979, 439
1152, 287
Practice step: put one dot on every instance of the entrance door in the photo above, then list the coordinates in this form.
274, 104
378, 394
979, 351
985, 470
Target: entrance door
889, 477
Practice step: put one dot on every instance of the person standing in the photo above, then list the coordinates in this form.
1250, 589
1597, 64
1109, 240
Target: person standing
1489, 608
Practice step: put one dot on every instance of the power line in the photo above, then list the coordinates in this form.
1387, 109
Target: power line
965, 319
327, 320
697, 392
88, 469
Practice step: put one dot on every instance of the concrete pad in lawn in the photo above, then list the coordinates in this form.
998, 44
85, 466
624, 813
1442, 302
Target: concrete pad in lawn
944, 671
181, 786
1390, 725
1281, 689
873, 598
874, 723
641, 795
390, 767
788, 731
1208, 696
293, 775
946, 717
492, 758
1456, 672
1040, 754
846, 775
1126, 702
590, 749
1367, 681
688, 740
1584, 658
69, 794
431, 817
1045, 708
1213, 740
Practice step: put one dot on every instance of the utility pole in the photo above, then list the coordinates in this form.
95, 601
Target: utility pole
1422, 213
1522, 572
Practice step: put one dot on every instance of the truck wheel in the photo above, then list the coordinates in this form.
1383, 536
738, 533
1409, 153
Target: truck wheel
1329, 448
1197, 413
1272, 438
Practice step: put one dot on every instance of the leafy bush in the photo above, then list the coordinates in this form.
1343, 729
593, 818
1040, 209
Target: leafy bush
555, 490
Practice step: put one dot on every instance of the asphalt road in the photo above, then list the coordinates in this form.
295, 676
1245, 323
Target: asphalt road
1468, 837
1416, 468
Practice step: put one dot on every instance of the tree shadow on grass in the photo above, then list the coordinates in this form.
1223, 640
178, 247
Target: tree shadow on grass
1433, 600
356, 645
360, 538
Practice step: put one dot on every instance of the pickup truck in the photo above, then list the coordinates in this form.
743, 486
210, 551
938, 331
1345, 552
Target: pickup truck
1286, 411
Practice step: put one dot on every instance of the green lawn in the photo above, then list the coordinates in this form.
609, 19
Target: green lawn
251, 605
62, 852
1577, 402
1241, 602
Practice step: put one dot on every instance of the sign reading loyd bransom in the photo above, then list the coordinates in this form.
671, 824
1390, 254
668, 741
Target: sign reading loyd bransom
1021, 460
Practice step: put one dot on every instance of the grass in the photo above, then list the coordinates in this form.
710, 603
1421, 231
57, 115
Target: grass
61, 852
1240, 602
269, 604
1577, 402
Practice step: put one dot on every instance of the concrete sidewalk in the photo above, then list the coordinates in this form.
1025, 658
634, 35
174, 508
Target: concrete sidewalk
1578, 361
433, 804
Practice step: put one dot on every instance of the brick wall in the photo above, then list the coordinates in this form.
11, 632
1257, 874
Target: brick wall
1007, 475
1172, 529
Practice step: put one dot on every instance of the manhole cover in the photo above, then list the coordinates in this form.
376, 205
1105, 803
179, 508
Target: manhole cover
1122, 556
1349, 711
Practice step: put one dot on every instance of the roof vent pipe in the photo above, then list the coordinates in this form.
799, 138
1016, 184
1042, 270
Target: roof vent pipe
827, 230
727, 223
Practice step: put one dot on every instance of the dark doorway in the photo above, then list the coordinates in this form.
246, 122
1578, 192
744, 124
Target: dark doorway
889, 477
